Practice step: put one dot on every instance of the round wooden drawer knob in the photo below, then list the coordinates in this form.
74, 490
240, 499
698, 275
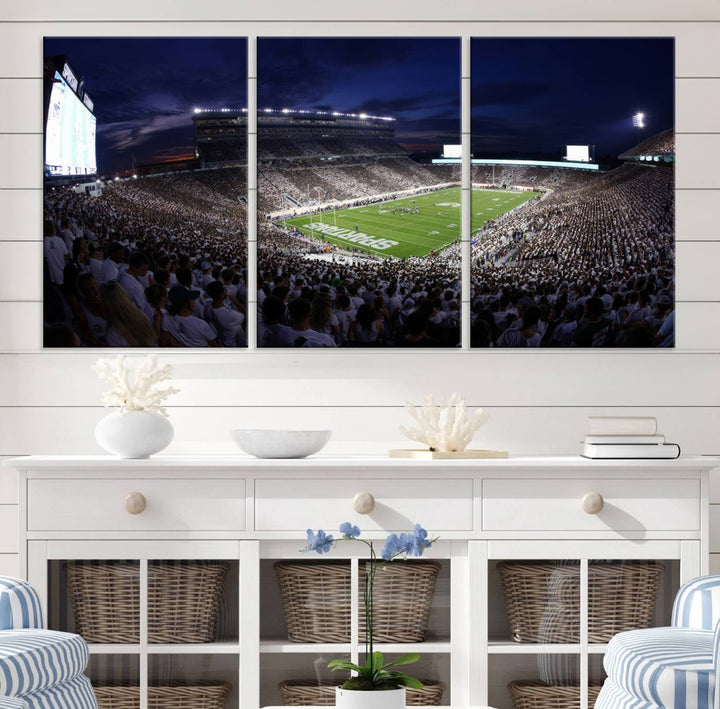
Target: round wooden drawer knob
592, 502
363, 503
135, 503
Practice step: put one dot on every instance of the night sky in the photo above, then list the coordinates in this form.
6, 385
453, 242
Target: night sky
416, 81
531, 97
145, 89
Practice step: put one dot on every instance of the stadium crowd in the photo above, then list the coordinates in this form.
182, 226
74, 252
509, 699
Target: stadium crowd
157, 261
161, 260
589, 266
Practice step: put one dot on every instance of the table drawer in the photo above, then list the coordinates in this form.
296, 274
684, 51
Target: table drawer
170, 504
631, 505
287, 505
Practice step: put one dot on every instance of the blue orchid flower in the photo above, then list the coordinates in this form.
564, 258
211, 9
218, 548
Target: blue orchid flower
419, 541
321, 543
349, 531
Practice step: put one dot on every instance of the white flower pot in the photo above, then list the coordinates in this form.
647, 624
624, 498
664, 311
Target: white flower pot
382, 699
134, 434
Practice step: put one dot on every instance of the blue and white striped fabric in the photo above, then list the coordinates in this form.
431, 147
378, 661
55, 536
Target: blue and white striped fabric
19, 605
697, 604
33, 660
665, 667
75, 694
13, 703
613, 696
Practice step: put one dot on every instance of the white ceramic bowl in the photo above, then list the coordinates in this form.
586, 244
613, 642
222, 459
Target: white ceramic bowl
273, 443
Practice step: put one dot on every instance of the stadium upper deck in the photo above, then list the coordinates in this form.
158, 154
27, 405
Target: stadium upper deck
288, 134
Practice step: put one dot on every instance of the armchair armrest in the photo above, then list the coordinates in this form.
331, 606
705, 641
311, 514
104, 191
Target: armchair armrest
697, 604
19, 605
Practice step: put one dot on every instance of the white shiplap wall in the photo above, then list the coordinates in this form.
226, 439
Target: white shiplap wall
538, 401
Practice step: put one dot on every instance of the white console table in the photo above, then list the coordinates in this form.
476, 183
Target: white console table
252, 512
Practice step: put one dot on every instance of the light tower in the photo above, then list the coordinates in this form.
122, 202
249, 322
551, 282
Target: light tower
638, 121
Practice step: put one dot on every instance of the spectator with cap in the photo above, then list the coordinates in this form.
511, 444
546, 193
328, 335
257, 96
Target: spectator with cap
180, 327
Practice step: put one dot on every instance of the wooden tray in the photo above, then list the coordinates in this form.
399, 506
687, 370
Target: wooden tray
421, 454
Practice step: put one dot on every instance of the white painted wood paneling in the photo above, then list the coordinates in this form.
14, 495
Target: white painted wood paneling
696, 268
8, 485
206, 429
697, 104
369, 10
8, 529
695, 166
22, 215
696, 216
22, 154
507, 378
10, 565
22, 269
21, 100
21, 329
694, 326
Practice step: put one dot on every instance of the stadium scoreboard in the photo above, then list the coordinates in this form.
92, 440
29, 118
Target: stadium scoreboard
579, 153
70, 124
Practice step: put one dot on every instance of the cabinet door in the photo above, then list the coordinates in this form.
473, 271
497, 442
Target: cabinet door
553, 607
161, 619
311, 612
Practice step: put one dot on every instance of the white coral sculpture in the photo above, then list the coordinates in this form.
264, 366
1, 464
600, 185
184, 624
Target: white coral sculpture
135, 389
445, 426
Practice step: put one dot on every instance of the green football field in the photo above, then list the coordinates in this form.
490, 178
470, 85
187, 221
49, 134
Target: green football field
385, 229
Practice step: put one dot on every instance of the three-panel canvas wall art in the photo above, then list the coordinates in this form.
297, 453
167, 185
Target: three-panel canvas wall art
356, 151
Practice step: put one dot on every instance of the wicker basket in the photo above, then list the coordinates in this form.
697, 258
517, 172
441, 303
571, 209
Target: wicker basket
203, 695
308, 692
316, 600
538, 695
183, 600
542, 599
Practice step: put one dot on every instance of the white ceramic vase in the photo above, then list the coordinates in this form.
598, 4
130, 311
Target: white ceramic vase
134, 434
382, 699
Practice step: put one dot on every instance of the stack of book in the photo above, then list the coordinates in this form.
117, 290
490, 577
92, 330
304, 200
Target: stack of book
626, 437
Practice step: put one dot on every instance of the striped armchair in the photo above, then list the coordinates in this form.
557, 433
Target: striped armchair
668, 668
39, 669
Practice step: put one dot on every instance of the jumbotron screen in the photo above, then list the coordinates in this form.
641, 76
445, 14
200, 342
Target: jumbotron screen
578, 153
69, 133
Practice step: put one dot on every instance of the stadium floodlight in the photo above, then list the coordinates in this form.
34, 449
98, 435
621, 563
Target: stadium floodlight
197, 110
363, 115
639, 120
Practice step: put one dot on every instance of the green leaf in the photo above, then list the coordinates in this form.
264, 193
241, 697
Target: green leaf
378, 660
343, 665
410, 682
404, 660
